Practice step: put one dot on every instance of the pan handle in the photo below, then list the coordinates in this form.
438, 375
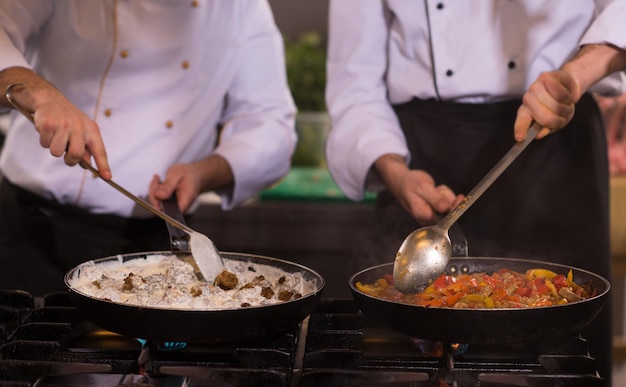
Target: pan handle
179, 240
458, 240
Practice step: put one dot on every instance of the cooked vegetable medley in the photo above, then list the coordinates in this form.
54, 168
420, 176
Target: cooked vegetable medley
502, 289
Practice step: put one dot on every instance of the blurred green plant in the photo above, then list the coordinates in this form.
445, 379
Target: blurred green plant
305, 60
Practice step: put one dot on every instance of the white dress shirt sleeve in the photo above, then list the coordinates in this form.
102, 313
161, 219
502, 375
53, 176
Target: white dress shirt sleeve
15, 27
356, 96
258, 136
609, 27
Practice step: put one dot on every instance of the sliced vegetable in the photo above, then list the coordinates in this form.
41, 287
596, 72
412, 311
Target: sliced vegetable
502, 289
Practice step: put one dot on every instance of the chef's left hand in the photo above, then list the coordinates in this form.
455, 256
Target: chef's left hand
550, 101
184, 179
189, 180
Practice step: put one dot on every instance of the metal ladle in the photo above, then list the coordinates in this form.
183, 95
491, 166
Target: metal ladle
425, 253
203, 250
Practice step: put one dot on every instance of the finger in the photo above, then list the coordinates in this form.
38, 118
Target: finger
95, 146
445, 200
166, 188
548, 101
418, 208
562, 87
549, 112
154, 185
434, 200
45, 138
543, 133
75, 150
60, 143
522, 122
457, 200
185, 197
424, 214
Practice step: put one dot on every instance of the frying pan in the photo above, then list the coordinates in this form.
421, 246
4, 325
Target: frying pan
200, 326
483, 326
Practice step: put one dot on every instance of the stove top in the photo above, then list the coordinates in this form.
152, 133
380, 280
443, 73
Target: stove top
44, 341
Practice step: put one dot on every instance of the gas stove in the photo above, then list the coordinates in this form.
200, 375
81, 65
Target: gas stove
44, 341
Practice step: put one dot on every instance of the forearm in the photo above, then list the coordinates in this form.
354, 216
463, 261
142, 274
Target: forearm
594, 62
215, 173
390, 169
35, 91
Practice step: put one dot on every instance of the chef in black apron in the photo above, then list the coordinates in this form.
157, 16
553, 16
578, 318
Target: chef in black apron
438, 85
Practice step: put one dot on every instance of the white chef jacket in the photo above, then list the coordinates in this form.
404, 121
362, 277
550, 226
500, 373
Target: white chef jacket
382, 53
158, 77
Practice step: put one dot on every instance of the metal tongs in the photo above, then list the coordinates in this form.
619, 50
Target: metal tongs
203, 251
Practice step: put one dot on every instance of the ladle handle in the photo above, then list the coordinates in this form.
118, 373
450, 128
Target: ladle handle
489, 178
84, 164
138, 200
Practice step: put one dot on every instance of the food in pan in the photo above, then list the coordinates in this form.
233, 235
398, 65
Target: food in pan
168, 282
502, 289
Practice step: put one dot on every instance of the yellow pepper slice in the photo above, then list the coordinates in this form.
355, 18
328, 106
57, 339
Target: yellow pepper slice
430, 289
552, 288
540, 273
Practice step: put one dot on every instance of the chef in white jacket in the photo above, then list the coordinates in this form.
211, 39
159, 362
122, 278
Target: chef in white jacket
160, 96
423, 98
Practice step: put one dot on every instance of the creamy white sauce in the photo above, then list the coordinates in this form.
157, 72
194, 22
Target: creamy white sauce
162, 281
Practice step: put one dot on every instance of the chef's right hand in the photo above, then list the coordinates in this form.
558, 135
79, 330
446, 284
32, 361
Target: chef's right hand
63, 128
415, 190
550, 100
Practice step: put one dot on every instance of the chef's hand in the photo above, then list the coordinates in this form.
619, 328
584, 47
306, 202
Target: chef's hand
182, 178
550, 101
614, 112
189, 180
63, 128
415, 190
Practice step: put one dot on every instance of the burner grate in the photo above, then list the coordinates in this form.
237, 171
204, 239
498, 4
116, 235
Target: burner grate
348, 349
45, 341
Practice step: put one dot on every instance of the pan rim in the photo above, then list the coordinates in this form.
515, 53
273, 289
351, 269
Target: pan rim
317, 277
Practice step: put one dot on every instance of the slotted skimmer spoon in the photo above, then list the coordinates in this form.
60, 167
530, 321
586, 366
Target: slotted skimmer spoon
425, 253
203, 251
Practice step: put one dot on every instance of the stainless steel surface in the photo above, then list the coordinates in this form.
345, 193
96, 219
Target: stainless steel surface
425, 252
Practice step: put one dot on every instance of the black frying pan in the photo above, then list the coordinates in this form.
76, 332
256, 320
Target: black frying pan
475, 326
199, 325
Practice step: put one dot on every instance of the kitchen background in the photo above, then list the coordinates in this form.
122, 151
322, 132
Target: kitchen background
306, 219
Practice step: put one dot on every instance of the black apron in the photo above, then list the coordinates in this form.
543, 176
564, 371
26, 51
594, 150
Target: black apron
551, 204
40, 240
